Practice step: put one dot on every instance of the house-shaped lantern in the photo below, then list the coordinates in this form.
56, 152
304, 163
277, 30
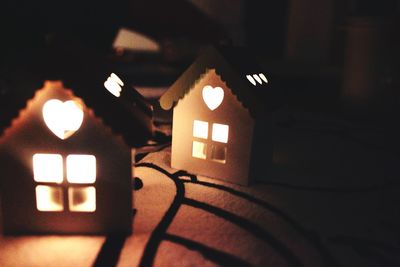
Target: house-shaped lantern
63, 170
221, 116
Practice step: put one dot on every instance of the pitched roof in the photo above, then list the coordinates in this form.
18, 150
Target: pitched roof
85, 75
239, 70
42, 93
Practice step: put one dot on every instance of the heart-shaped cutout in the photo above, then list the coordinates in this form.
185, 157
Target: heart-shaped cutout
62, 118
213, 96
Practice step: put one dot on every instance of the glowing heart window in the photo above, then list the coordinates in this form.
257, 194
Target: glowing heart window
213, 96
62, 118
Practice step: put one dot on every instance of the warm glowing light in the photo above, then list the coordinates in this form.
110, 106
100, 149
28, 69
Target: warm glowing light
262, 76
48, 168
117, 79
199, 150
220, 132
255, 76
62, 118
81, 169
82, 199
200, 129
213, 96
49, 198
218, 154
250, 78
132, 40
113, 85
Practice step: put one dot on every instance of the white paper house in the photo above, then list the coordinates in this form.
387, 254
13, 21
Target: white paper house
221, 117
63, 170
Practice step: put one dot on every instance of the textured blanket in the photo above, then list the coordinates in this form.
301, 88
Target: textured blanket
292, 220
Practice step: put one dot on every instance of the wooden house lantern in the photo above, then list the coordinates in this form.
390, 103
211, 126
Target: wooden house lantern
63, 170
221, 116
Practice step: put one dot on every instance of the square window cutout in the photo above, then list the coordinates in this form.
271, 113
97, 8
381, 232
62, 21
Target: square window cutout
199, 150
82, 199
48, 168
49, 198
218, 153
81, 169
200, 129
220, 132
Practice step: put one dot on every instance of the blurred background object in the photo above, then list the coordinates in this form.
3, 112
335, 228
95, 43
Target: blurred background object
333, 56
371, 56
337, 63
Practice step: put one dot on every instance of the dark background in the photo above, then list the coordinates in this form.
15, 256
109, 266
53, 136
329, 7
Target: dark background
339, 63
340, 56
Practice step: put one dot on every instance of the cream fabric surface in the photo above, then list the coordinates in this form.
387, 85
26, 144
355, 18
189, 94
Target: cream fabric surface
298, 218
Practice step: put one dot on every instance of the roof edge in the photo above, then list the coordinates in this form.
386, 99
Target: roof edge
180, 87
69, 92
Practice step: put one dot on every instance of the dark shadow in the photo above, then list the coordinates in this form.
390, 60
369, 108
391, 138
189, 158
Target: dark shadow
336, 189
151, 149
139, 157
249, 226
350, 157
160, 230
374, 255
372, 250
356, 241
393, 228
219, 257
346, 134
311, 236
110, 251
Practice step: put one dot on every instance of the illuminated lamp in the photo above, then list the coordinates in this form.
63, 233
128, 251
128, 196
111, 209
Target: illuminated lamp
63, 169
221, 117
